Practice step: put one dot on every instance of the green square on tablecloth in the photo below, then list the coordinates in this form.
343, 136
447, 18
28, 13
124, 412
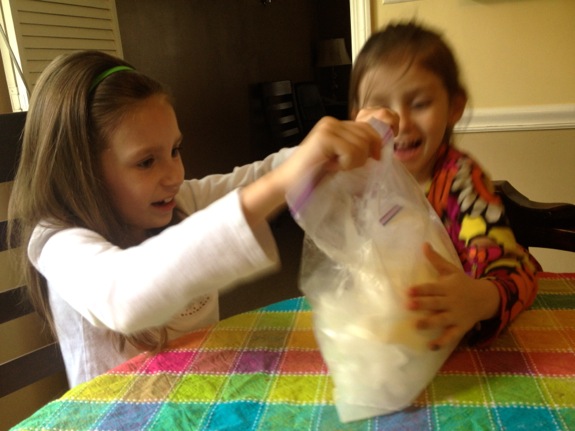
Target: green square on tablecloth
246, 387
301, 389
554, 302
276, 320
151, 388
225, 338
107, 387
566, 416
523, 390
197, 388
55, 416
559, 391
267, 339
457, 389
459, 418
241, 321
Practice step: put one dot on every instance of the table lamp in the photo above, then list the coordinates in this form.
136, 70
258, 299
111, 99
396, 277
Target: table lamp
332, 53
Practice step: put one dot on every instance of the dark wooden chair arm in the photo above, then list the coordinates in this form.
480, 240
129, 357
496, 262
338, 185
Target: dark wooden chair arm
538, 224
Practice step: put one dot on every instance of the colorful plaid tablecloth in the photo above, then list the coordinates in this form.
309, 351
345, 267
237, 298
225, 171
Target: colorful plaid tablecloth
262, 370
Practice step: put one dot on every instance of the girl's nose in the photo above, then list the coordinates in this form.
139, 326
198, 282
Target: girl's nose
388, 116
173, 174
405, 123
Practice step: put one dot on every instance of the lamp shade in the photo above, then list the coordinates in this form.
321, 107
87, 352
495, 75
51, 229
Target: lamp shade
332, 52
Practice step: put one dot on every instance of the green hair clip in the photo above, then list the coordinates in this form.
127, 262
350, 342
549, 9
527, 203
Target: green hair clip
107, 73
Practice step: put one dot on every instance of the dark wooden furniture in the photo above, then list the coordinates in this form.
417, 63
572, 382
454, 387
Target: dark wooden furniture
282, 117
47, 360
309, 104
538, 224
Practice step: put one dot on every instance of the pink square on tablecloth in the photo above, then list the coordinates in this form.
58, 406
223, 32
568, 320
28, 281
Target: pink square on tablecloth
257, 361
303, 362
169, 361
553, 364
133, 365
503, 362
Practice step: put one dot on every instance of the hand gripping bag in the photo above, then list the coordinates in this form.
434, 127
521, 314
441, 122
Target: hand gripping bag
364, 232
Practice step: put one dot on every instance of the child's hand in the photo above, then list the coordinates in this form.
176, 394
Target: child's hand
456, 302
335, 145
331, 145
389, 117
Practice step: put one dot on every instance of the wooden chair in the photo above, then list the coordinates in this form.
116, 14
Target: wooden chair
16, 313
279, 106
538, 224
309, 103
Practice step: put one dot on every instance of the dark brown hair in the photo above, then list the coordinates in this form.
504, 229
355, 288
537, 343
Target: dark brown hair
406, 43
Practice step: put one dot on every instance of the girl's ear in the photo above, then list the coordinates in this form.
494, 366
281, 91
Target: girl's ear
457, 107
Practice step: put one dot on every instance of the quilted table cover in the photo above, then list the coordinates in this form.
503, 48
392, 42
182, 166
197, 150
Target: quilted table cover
262, 370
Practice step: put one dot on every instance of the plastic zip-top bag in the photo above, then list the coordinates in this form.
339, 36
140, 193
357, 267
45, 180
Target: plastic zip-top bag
365, 230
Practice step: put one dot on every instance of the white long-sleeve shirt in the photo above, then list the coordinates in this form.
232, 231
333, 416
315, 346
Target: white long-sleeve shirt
170, 279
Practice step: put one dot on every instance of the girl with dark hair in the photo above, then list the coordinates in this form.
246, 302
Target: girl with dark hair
407, 76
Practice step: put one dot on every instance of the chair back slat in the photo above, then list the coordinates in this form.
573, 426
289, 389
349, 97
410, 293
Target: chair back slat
14, 304
280, 110
30, 368
45, 361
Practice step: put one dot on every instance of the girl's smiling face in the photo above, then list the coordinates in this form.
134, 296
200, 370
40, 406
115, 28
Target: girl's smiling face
142, 168
426, 114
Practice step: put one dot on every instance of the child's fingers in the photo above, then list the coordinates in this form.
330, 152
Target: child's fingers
389, 117
348, 144
439, 263
363, 137
336, 145
364, 134
419, 299
449, 336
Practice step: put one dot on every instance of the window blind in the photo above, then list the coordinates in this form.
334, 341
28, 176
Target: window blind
40, 30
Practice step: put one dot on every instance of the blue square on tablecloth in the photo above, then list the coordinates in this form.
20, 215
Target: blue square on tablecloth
294, 304
181, 416
526, 418
283, 417
129, 416
233, 416
410, 418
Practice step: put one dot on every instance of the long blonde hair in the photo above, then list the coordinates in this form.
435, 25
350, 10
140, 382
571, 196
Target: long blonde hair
59, 176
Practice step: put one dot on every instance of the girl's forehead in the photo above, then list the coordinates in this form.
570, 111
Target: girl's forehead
390, 77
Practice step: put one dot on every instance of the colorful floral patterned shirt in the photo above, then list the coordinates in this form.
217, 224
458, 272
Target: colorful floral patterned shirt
464, 197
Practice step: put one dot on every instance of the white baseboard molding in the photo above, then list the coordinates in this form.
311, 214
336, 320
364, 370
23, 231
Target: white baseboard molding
520, 118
